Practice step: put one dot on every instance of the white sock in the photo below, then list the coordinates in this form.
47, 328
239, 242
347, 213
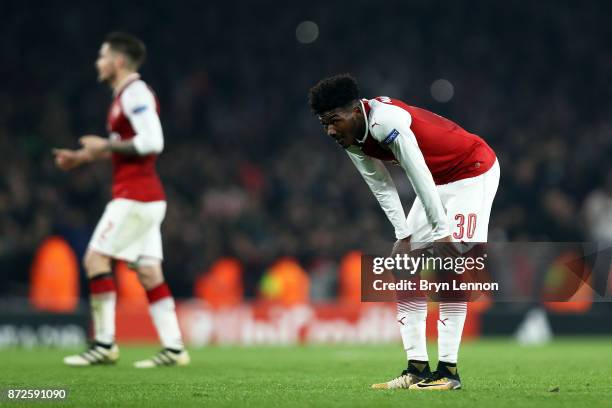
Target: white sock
103, 297
412, 317
163, 313
450, 327
103, 316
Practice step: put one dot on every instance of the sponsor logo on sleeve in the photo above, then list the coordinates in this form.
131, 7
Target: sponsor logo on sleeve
139, 109
391, 136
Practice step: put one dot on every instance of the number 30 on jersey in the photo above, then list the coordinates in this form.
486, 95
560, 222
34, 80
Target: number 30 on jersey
465, 227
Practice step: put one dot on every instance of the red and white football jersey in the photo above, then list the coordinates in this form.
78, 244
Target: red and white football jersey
432, 151
134, 114
451, 153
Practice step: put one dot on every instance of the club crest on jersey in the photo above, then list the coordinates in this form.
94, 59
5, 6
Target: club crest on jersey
391, 136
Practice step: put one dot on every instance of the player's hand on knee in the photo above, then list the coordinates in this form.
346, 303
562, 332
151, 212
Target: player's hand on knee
401, 246
445, 247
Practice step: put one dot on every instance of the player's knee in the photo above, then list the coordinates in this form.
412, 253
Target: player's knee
150, 276
96, 264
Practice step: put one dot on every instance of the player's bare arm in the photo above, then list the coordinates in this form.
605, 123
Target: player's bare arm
97, 145
68, 159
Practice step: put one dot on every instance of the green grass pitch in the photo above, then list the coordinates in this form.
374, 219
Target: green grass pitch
495, 373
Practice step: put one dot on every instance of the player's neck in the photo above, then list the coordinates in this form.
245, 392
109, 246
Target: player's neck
121, 79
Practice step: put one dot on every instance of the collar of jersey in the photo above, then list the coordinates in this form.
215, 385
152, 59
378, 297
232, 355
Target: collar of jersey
365, 117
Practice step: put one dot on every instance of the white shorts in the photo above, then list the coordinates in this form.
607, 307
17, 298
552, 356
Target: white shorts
468, 207
130, 230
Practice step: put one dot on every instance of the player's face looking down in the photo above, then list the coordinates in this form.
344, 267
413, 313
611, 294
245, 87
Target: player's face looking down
345, 125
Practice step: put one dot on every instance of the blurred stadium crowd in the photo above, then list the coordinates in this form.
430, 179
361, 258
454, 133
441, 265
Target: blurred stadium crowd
247, 168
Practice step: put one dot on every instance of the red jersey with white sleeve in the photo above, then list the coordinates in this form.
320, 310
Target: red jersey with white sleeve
432, 151
134, 114
451, 153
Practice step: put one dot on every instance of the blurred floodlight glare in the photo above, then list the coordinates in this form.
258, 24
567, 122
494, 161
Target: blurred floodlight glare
307, 32
442, 90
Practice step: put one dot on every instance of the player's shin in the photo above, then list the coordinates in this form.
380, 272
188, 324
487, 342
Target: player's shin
103, 297
450, 328
412, 316
163, 313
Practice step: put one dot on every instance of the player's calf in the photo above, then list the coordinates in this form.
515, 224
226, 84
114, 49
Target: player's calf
95, 263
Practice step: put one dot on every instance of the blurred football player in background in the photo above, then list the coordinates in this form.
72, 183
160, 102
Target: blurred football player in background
129, 229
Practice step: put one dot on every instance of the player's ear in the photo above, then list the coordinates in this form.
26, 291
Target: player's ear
122, 60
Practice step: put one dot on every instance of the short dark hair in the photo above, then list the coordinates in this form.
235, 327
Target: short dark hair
333, 92
128, 45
